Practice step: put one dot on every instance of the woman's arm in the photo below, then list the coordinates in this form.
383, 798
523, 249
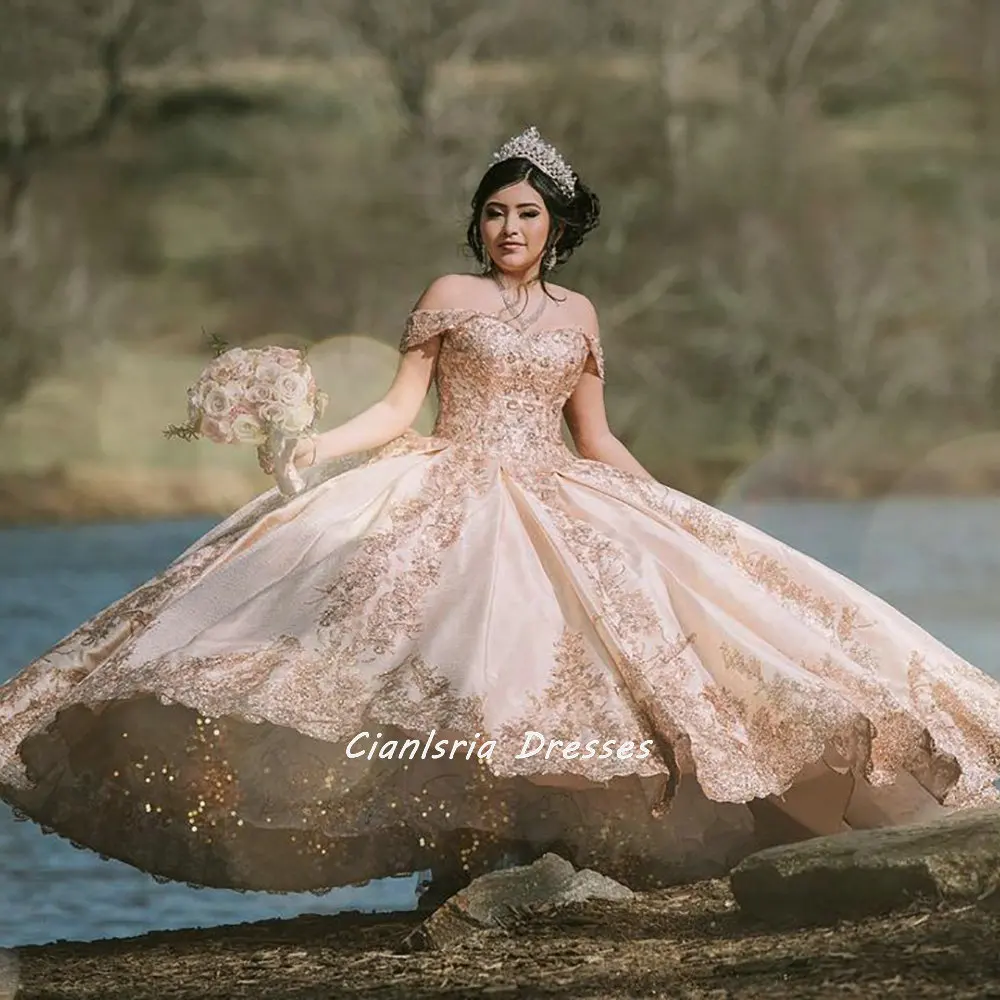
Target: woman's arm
587, 418
397, 409
384, 420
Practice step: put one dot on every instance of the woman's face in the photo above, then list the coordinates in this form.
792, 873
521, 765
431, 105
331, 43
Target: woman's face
514, 226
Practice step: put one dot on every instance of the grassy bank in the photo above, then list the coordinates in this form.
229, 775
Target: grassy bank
76, 493
200, 479
87, 444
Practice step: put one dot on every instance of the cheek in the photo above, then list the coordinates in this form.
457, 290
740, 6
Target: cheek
490, 226
539, 231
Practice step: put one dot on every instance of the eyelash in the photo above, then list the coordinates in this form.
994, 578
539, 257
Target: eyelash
493, 214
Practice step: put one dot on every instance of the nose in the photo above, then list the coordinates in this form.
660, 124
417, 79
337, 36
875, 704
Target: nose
510, 225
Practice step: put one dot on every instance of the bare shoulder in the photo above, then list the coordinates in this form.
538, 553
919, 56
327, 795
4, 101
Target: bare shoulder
451, 291
576, 306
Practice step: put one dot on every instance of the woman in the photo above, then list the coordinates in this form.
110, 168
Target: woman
581, 658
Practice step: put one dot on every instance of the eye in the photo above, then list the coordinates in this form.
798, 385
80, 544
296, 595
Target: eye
531, 214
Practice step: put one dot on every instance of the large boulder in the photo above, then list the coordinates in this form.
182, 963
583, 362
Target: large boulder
496, 899
867, 872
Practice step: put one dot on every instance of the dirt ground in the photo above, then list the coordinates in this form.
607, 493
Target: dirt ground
686, 943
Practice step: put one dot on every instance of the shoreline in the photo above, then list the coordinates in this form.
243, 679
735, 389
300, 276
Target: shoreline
688, 942
90, 494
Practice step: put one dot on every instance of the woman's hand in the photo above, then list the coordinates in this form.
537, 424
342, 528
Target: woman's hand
291, 456
304, 455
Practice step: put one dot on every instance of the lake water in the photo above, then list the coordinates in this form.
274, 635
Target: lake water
938, 561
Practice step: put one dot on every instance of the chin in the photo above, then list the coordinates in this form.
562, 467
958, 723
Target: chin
517, 262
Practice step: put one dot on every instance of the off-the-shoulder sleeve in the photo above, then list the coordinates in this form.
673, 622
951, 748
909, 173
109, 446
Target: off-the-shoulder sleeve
424, 324
595, 359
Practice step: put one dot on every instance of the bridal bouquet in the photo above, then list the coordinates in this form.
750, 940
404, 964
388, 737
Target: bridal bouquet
262, 396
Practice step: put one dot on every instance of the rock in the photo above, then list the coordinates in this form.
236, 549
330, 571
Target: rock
498, 899
869, 872
990, 899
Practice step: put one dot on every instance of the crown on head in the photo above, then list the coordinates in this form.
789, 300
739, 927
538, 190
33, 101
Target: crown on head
531, 146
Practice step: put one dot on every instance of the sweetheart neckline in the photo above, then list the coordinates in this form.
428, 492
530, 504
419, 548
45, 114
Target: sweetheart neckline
497, 319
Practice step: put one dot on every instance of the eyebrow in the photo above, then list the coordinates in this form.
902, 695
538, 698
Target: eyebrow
524, 204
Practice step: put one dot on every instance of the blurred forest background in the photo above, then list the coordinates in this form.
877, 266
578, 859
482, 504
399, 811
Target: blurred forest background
797, 269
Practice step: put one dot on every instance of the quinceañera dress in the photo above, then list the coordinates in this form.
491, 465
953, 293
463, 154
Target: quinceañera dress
476, 585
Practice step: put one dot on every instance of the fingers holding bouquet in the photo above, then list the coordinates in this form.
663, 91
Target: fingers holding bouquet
303, 455
262, 396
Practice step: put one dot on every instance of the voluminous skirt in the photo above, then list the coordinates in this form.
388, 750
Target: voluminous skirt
201, 728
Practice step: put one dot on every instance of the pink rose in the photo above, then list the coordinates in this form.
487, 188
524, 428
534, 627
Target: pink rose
218, 430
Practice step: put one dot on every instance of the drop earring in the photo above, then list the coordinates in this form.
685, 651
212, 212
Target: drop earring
551, 258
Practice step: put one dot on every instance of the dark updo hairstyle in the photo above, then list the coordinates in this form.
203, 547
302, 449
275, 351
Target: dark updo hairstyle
572, 218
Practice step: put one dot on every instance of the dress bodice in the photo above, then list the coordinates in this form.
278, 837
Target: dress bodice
501, 389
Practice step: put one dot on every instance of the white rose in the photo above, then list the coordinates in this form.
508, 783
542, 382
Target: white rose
236, 391
259, 393
216, 402
287, 357
299, 418
272, 413
247, 430
269, 371
292, 389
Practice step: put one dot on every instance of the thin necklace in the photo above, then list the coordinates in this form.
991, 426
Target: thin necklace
512, 311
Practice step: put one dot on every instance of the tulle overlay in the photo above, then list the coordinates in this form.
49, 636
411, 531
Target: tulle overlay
478, 584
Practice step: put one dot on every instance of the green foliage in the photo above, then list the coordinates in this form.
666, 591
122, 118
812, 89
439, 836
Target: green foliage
185, 432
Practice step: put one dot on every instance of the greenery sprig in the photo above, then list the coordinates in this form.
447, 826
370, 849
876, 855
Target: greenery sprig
186, 432
216, 343
191, 430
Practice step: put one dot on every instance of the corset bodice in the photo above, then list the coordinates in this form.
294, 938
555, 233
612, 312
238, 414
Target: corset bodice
501, 390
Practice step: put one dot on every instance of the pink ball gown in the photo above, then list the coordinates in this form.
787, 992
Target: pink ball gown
464, 589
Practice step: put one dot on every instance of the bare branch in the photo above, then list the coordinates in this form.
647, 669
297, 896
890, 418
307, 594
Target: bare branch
817, 20
48, 58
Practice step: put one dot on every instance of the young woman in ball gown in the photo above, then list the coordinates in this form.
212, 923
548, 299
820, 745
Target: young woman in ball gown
698, 688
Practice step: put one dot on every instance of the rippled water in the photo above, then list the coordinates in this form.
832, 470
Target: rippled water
938, 561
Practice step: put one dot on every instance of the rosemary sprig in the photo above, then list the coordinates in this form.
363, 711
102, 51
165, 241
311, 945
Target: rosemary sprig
216, 343
186, 432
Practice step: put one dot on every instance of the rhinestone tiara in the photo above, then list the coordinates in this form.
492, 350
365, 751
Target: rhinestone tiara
531, 146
